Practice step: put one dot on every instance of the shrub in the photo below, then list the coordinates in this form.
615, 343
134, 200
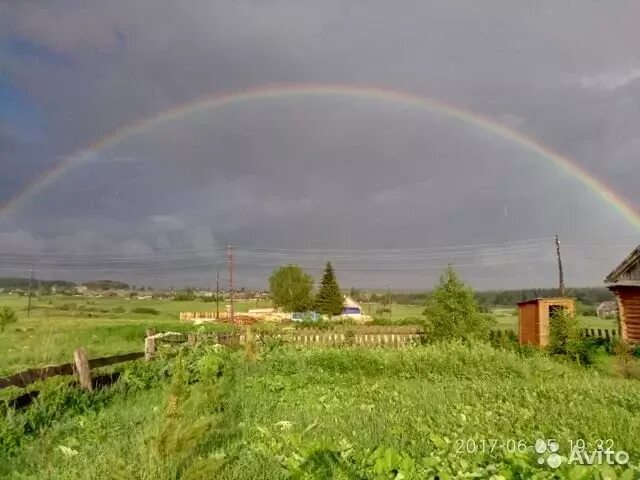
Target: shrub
586, 350
626, 364
586, 310
7, 316
184, 297
563, 329
453, 310
507, 339
145, 310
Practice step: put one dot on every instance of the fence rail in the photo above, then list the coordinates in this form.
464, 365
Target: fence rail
600, 333
32, 375
303, 337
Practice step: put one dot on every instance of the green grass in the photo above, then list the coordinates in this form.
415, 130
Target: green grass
330, 413
104, 326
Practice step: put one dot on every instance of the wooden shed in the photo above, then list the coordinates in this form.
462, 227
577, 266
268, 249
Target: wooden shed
624, 281
533, 318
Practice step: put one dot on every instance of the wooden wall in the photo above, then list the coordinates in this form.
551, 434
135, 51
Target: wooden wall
543, 316
533, 319
528, 324
629, 311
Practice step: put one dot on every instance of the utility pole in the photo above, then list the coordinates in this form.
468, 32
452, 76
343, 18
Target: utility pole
389, 299
217, 294
560, 270
30, 288
230, 249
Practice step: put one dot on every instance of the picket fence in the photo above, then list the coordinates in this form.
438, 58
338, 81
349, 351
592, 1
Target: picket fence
600, 333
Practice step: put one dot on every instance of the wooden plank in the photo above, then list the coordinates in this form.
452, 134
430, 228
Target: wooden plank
82, 367
112, 360
27, 377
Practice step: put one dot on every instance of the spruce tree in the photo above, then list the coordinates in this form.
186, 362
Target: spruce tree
453, 310
329, 298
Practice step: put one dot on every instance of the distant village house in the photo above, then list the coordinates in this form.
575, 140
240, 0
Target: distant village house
607, 310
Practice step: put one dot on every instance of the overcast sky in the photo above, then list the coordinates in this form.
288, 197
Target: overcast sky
391, 194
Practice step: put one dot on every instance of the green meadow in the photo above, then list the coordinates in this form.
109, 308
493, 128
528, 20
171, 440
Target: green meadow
442, 411
107, 326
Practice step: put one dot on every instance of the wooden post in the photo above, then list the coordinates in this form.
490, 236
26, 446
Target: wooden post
82, 367
149, 348
560, 270
192, 339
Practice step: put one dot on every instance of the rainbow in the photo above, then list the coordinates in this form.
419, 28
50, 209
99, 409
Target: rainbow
619, 204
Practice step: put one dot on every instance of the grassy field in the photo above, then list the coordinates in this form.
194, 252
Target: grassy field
327, 413
104, 326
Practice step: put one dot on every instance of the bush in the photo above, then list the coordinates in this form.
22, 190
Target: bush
507, 339
7, 316
318, 325
563, 330
145, 310
586, 350
184, 297
586, 310
453, 311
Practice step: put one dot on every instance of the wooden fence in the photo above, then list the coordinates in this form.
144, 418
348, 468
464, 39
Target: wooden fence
600, 333
363, 335
306, 337
81, 364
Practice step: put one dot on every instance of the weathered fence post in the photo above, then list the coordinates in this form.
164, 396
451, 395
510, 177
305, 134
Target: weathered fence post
192, 339
82, 367
149, 348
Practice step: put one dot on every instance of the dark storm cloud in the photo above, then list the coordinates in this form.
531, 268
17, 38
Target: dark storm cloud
330, 172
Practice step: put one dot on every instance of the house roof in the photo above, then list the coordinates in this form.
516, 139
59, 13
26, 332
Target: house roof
627, 264
559, 300
607, 306
350, 303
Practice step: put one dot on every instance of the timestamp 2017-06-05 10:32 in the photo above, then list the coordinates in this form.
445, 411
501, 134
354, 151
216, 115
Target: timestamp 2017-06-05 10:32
549, 451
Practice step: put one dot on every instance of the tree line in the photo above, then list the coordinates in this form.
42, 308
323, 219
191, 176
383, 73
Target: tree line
291, 288
591, 296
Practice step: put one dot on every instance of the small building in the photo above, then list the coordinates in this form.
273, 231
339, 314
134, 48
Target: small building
534, 315
607, 310
352, 310
624, 281
351, 307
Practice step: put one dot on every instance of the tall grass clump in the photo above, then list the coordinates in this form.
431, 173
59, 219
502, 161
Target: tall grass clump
566, 339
